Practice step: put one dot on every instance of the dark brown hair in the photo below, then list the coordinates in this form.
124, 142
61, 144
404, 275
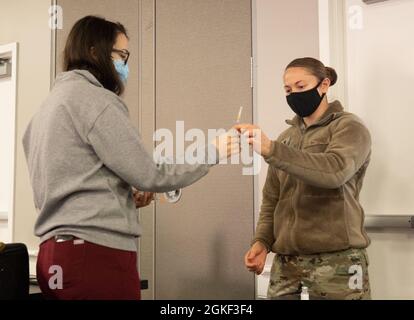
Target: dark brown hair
89, 47
316, 68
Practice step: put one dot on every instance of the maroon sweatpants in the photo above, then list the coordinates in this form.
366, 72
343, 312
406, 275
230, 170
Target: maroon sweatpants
77, 269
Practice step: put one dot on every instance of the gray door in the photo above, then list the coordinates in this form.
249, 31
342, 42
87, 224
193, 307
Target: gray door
203, 75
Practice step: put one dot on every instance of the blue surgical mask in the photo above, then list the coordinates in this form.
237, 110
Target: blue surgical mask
122, 69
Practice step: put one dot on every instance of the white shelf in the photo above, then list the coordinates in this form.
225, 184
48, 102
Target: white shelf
390, 221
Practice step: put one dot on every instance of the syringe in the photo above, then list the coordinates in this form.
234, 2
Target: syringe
239, 115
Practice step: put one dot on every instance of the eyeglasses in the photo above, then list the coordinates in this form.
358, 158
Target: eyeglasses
124, 54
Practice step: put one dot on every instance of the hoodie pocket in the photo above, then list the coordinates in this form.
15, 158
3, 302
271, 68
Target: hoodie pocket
321, 224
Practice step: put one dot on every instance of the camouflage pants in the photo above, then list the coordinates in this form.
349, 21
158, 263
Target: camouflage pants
341, 275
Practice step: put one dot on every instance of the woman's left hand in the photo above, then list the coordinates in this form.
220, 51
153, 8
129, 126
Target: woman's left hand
256, 137
143, 199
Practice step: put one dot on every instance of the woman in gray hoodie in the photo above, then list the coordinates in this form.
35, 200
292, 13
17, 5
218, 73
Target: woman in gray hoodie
84, 158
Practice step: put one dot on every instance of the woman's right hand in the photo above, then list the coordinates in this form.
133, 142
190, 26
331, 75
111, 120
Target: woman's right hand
255, 258
256, 137
227, 144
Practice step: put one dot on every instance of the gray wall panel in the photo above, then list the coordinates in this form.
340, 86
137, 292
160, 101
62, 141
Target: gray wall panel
203, 50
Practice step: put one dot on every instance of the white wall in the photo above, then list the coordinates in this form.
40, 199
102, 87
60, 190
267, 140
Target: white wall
380, 68
285, 30
378, 72
380, 78
27, 22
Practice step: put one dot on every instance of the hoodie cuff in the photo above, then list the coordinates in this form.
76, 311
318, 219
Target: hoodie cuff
269, 157
262, 241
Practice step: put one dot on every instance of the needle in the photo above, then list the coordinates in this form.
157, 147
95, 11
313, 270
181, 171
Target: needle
239, 115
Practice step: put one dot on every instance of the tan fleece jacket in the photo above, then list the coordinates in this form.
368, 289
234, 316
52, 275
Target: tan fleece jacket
311, 195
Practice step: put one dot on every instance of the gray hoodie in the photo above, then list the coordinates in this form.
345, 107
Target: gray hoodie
84, 155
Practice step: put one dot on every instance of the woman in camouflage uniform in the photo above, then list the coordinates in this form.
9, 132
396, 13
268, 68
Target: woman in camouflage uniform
311, 216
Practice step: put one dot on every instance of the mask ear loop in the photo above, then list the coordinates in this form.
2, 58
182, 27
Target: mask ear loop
323, 94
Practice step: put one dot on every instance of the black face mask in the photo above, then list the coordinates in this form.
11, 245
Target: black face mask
305, 103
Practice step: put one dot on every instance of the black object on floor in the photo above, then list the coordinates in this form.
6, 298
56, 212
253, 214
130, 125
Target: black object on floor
14, 271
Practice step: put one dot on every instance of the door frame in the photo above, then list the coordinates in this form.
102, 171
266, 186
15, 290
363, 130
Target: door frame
256, 204
332, 44
11, 51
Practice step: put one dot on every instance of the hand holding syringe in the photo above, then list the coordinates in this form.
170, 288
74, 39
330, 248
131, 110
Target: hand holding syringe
225, 149
255, 137
234, 146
